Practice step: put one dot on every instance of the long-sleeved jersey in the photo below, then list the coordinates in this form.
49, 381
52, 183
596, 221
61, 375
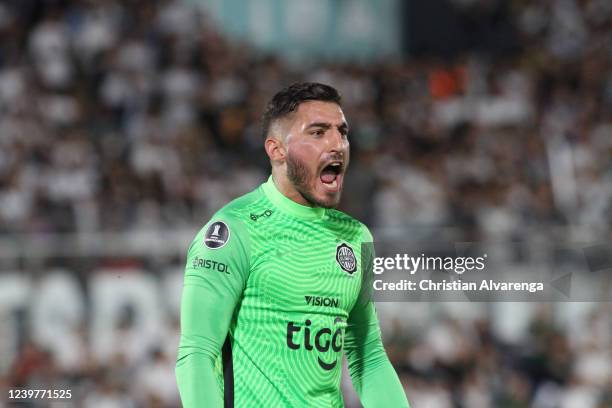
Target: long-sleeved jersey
273, 296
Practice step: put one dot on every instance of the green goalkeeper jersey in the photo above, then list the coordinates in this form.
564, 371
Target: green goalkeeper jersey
273, 296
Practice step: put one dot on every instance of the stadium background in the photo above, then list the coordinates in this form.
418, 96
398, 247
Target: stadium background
125, 124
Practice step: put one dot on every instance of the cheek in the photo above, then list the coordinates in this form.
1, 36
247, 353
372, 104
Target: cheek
307, 152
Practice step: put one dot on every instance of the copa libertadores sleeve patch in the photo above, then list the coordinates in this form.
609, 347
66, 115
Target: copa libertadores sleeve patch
217, 235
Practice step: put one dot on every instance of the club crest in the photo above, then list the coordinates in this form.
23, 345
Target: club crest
346, 258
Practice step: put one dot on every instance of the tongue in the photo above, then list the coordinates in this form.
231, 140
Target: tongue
328, 176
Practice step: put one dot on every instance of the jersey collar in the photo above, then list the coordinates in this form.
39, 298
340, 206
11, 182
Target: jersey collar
288, 205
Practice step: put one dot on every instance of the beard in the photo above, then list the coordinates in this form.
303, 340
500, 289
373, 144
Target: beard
299, 175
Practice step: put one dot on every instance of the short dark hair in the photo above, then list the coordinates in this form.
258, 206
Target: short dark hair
289, 99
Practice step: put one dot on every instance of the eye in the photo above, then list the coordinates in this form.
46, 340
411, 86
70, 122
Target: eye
343, 131
318, 132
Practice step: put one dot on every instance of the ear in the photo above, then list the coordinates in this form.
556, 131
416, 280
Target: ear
275, 149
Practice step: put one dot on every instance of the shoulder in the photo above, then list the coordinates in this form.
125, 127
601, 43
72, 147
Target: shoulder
238, 211
229, 221
353, 224
240, 207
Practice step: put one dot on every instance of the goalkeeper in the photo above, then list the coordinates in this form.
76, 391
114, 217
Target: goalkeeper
273, 290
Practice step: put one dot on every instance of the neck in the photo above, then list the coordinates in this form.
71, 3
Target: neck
286, 187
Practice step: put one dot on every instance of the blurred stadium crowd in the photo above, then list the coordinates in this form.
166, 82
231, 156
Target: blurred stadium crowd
123, 115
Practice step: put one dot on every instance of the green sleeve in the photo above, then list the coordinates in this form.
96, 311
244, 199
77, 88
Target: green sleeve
373, 376
214, 281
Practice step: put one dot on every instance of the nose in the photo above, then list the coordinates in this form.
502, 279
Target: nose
337, 141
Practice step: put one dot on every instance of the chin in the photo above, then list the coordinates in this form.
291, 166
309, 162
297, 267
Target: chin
333, 203
326, 201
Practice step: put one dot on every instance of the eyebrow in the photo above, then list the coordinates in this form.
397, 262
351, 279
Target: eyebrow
325, 125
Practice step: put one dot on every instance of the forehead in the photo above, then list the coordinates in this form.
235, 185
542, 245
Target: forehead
319, 112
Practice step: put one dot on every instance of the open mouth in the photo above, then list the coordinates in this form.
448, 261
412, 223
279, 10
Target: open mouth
331, 175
